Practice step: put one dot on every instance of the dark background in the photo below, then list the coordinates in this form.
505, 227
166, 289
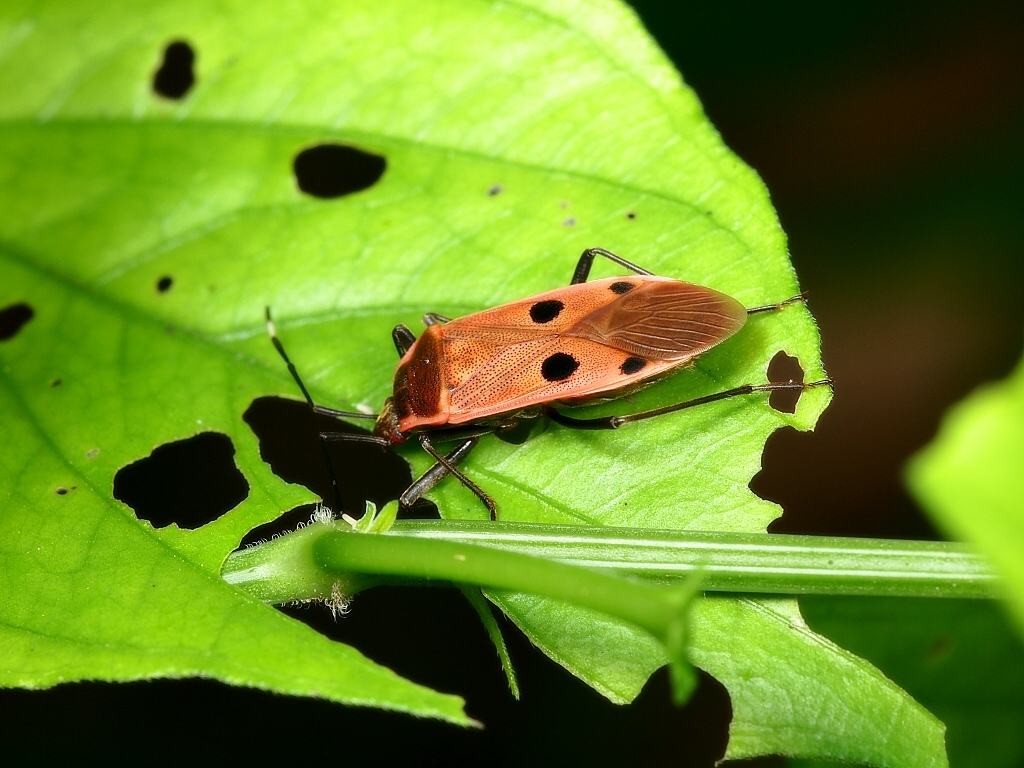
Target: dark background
890, 136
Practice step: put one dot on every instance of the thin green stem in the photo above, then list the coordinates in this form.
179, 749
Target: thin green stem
438, 560
741, 562
730, 562
330, 561
333, 562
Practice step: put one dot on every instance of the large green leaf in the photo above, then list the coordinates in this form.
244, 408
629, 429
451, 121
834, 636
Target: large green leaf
515, 135
970, 479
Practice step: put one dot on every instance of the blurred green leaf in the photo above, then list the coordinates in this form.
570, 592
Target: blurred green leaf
959, 658
971, 479
515, 135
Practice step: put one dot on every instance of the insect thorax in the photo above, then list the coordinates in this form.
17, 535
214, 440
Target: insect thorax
420, 395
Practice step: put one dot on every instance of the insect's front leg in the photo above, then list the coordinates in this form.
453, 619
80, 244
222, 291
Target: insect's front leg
587, 261
449, 467
429, 479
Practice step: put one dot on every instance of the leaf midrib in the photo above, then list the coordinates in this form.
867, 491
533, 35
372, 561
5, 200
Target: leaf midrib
298, 129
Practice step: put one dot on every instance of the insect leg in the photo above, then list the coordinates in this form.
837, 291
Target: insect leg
614, 422
435, 474
453, 470
776, 307
587, 261
354, 437
432, 318
323, 411
403, 338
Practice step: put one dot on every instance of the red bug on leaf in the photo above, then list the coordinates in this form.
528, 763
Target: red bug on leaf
488, 372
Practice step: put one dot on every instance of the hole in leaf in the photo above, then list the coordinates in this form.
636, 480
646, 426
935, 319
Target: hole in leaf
62, 491
784, 368
189, 482
289, 435
13, 318
333, 170
175, 76
286, 523
164, 284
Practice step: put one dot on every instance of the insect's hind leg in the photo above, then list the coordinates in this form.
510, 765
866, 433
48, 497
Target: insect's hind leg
450, 468
614, 422
799, 299
587, 261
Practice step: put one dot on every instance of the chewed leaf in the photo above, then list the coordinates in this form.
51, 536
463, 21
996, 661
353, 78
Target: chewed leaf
170, 172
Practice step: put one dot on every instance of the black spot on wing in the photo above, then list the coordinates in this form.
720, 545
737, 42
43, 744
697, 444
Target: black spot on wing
621, 287
546, 311
559, 366
632, 365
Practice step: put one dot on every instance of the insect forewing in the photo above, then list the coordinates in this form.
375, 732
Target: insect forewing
580, 341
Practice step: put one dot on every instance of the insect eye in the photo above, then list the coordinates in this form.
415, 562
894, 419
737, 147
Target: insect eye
621, 287
546, 311
559, 366
632, 365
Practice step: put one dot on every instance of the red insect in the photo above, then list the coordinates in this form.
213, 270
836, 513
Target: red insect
488, 372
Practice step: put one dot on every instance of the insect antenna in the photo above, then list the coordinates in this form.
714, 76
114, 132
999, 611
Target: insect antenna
272, 331
322, 410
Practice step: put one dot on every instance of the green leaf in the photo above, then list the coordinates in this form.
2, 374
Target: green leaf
515, 135
960, 658
89, 592
970, 480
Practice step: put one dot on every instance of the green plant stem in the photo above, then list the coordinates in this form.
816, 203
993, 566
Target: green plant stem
741, 562
649, 606
730, 562
331, 561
